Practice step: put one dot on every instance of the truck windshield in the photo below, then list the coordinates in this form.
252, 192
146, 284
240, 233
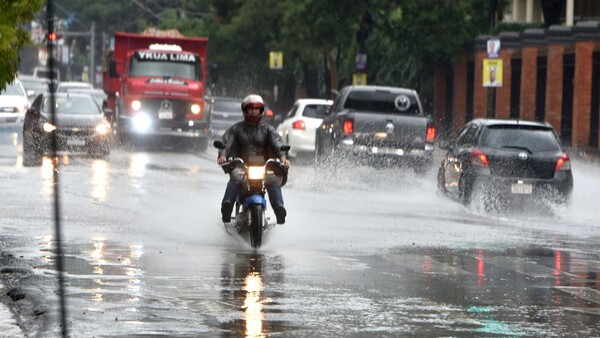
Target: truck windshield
167, 66
382, 102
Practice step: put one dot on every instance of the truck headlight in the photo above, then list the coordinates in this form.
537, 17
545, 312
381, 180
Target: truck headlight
136, 105
141, 122
195, 108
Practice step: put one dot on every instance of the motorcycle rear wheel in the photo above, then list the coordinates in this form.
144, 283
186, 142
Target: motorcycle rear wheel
256, 225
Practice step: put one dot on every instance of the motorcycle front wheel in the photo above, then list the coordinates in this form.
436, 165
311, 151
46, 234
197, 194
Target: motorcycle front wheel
256, 225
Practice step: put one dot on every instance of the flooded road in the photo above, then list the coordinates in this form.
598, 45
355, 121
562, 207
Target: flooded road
364, 252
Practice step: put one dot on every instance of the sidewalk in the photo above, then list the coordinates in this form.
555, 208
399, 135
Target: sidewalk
8, 324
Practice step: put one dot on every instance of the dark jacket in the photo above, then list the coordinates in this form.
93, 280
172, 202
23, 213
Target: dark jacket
253, 143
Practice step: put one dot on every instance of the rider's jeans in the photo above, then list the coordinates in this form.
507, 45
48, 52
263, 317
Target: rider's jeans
234, 188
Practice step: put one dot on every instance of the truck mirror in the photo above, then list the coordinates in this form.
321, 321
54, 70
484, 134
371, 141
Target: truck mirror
112, 69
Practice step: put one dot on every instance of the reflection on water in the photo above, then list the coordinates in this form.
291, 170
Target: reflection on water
243, 285
100, 180
253, 306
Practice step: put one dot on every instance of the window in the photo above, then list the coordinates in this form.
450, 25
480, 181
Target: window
382, 102
534, 139
315, 110
467, 137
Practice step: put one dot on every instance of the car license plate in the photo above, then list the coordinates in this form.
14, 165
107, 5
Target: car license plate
75, 142
387, 151
521, 188
165, 115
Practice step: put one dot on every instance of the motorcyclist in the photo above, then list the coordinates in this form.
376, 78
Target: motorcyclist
254, 142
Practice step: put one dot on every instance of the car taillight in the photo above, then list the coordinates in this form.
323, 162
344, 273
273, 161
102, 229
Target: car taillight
299, 124
563, 163
270, 113
430, 136
478, 158
348, 127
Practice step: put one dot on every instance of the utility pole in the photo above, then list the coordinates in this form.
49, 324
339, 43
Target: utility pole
92, 71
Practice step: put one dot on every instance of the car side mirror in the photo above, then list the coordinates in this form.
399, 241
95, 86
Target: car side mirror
30, 93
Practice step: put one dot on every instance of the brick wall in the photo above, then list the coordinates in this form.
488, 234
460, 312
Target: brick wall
528, 83
582, 98
554, 85
503, 93
459, 100
480, 92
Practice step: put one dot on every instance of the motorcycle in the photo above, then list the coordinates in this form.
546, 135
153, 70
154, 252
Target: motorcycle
250, 207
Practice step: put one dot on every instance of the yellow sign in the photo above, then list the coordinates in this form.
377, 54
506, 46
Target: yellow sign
359, 79
492, 73
275, 60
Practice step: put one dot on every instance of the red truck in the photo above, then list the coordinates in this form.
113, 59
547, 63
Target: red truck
155, 88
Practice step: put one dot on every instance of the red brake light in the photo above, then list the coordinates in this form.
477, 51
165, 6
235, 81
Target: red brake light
269, 113
348, 127
478, 158
563, 163
298, 124
430, 136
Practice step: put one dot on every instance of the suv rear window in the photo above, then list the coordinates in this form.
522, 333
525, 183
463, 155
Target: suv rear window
534, 139
382, 102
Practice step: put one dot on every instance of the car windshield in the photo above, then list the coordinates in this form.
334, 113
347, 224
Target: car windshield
315, 110
382, 102
73, 105
13, 89
230, 106
534, 139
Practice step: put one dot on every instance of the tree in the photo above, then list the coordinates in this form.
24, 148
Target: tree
13, 36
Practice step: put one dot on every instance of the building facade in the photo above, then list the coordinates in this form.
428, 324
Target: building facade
548, 75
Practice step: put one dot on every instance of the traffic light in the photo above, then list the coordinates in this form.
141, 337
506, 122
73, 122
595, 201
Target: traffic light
52, 36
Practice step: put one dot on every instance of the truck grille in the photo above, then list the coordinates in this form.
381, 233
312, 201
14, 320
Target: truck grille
179, 107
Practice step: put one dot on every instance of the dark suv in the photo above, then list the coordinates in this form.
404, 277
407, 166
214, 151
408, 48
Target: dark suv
502, 162
223, 113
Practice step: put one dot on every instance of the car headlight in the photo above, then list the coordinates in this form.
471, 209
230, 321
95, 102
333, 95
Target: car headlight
102, 128
195, 109
256, 173
136, 105
48, 127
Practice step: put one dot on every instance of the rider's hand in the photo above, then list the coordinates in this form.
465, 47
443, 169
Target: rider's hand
222, 159
285, 162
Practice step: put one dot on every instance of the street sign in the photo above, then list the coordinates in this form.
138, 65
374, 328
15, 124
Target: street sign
493, 47
275, 60
492, 72
361, 61
359, 79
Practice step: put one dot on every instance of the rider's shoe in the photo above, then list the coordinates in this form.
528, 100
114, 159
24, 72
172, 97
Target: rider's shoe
226, 209
280, 213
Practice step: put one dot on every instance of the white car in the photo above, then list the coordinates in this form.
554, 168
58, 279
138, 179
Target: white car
66, 86
299, 126
13, 105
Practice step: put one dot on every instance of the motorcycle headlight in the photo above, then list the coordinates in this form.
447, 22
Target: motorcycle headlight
102, 128
256, 173
48, 127
195, 109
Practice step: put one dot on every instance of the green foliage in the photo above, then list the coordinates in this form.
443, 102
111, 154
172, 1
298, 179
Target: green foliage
406, 38
13, 16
